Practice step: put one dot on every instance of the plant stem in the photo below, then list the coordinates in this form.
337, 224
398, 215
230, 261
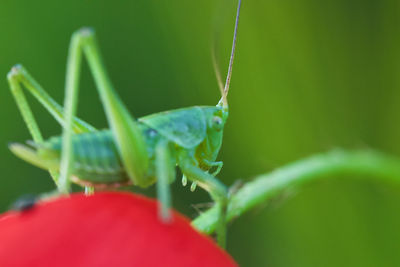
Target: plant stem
267, 186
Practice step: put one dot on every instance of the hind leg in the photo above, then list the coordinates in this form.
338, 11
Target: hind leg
130, 141
19, 79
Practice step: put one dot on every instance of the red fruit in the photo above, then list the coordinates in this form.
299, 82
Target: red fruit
106, 229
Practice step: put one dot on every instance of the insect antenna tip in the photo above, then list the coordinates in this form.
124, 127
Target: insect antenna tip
224, 99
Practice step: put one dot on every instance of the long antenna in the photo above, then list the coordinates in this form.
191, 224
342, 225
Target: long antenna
228, 77
216, 70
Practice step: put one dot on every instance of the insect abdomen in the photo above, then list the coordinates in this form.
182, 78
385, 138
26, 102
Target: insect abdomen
96, 158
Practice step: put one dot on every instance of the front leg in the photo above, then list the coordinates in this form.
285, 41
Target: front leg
217, 190
217, 164
209, 164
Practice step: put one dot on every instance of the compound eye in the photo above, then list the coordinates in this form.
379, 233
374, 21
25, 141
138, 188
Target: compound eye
217, 122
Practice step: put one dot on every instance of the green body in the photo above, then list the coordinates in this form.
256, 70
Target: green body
196, 130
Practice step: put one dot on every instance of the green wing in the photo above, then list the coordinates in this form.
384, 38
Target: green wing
186, 127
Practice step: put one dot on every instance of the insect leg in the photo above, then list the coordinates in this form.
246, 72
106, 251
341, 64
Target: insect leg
18, 78
217, 164
216, 189
129, 139
210, 164
23, 106
165, 171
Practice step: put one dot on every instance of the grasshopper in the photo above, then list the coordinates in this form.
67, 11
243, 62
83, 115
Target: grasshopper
139, 152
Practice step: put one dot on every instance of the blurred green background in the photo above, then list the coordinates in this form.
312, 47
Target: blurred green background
309, 76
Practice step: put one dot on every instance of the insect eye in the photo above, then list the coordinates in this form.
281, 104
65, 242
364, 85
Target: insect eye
217, 122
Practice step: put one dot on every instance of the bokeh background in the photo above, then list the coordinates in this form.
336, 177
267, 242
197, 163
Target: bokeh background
309, 76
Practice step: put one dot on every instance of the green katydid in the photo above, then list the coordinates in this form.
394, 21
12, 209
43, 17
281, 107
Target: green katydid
141, 152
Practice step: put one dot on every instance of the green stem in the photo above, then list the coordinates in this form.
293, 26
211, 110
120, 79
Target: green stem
267, 186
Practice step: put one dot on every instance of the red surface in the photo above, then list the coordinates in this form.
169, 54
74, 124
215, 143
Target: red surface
106, 229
